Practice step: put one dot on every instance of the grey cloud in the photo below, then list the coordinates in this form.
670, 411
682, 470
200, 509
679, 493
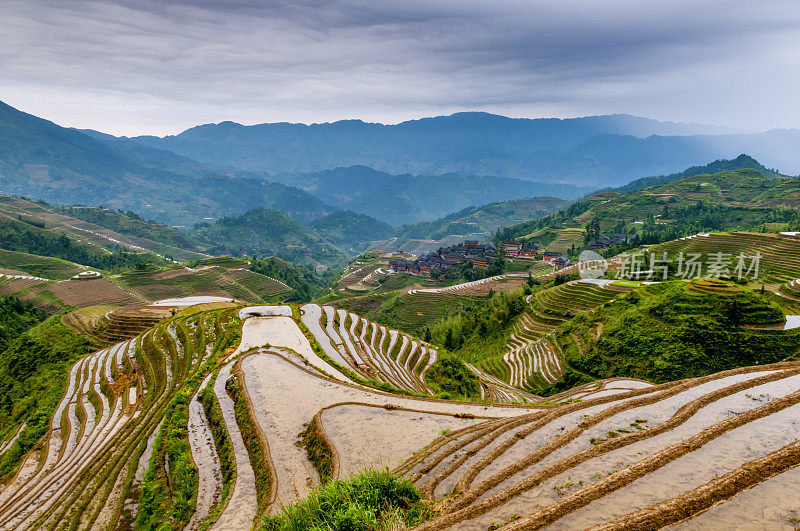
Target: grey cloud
146, 66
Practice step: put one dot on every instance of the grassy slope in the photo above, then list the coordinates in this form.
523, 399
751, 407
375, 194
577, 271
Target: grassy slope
370, 500
103, 227
22, 236
40, 266
223, 276
409, 313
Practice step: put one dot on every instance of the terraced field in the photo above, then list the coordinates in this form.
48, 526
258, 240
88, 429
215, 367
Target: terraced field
13, 283
376, 352
54, 296
532, 359
363, 274
214, 278
463, 288
181, 427
362, 279
39, 266
484, 286
90, 233
55, 289
780, 254
86, 473
790, 290
639, 459
412, 313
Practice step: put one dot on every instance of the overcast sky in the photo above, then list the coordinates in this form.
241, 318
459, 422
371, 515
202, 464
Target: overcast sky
157, 67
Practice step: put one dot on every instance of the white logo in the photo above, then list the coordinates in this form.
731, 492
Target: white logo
591, 265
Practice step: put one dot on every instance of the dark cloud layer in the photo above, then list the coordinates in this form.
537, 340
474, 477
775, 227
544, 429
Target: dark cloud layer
143, 66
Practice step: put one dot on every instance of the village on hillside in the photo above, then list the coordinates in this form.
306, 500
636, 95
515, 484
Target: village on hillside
476, 253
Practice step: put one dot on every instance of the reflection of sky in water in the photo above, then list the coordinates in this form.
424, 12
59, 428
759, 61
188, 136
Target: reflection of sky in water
792, 321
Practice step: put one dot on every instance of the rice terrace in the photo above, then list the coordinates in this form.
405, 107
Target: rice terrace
282, 266
208, 411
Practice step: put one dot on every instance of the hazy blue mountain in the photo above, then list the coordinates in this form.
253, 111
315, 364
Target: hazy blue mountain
42, 160
592, 151
667, 154
402, 199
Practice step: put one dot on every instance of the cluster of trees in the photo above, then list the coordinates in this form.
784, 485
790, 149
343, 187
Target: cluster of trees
16, 236
478, 324
306, 284
16, 317
468, 272
451, 379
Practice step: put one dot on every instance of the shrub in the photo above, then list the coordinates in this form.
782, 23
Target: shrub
372, 500
449, 377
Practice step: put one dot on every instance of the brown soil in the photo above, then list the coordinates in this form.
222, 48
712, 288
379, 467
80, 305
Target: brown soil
17, 285
507, 284
6, 271
80, 293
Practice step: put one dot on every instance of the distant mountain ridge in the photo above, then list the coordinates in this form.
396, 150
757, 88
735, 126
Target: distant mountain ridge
404, 199
593, 151
42, 160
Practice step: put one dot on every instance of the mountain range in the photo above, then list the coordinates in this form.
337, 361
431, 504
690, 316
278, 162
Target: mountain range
256, 189
595, 151
42, 160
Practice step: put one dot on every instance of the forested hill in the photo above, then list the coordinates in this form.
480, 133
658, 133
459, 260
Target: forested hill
262, 232
739, 163
741, 199
482, 221
347, 229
